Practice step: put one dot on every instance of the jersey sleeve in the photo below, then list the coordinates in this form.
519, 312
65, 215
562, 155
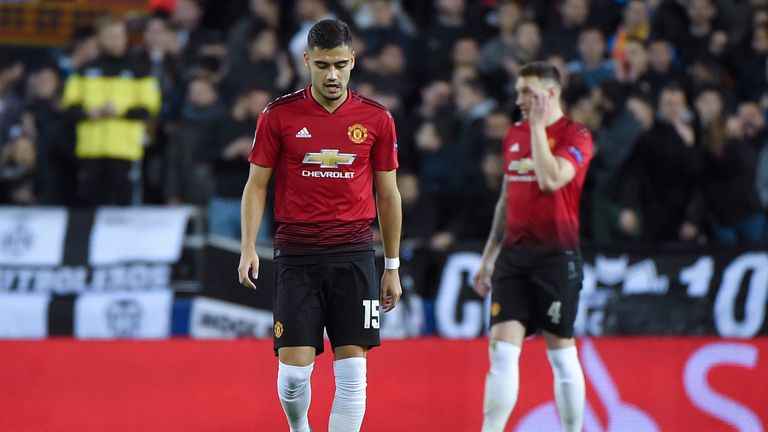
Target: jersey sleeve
384, 151
266, 141
578, 148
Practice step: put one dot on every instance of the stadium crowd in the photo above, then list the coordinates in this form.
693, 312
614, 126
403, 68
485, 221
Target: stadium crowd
675, 93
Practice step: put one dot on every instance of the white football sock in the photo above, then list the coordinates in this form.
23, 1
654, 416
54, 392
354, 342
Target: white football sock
501, 385
295, 393
349, 401
569, 387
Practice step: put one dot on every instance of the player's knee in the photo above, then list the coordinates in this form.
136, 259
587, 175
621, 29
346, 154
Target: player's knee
292, 380
350, 374
504, 356
565, 363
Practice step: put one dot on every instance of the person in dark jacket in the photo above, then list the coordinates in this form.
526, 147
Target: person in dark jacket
661, 176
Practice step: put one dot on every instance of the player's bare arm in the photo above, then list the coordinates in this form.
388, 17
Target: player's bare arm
251, 212
482, 279
552, 172
390, 221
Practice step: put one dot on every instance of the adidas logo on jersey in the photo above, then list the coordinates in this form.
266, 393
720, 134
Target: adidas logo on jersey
515, 147
303, 133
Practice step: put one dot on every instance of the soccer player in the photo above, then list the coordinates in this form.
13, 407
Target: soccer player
327, 146
532, 259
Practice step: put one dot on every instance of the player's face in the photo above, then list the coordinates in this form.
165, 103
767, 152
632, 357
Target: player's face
526, 87
329, 70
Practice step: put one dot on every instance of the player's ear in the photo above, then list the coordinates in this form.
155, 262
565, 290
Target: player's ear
306, 59
352, 60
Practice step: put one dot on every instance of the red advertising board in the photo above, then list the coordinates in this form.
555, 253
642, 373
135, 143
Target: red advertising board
633, 385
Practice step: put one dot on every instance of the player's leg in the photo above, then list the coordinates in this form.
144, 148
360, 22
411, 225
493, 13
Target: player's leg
298, 338
350, 372
558, 283
293, 386
503, 379
352, 321
509, 311
568, 380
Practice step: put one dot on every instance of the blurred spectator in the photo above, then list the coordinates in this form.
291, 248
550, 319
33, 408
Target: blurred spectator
704, 40
388, 70
432, 57
592, 64
634, 69
264, 14
11, 71
465, 57
503, 46
748, 64
662, 174
635, 25
84, 48
729, 162
384, 27
230, 163
662, 71
47, 125
669, 20
18, 169
265, 66
622, 123
561, 37
200, 47
111, 98
192, 148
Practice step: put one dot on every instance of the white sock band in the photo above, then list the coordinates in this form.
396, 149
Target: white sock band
569, 387
501, 385
295, 393
349, 401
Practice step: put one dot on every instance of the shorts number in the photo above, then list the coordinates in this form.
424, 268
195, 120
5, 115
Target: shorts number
554, 312
371, 314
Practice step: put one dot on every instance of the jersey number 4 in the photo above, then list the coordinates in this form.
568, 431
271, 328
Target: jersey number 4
554, 312
371, 314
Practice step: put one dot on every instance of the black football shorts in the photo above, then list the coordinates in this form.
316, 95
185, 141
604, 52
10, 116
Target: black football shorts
538, 288
339, 294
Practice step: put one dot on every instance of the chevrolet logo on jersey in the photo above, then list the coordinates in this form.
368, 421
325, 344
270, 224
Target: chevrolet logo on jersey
522, 166
329, 158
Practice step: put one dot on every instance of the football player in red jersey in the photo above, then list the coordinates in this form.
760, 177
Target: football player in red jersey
326, 146
531, 262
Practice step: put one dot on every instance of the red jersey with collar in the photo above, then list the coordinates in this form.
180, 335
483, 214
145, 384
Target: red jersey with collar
535, 218
323, 169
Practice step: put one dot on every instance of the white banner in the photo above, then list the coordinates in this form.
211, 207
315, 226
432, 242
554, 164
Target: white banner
123, 315
216, 319
24, 316
32, 236
150, 234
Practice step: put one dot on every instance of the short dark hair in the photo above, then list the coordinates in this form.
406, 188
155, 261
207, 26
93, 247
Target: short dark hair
540, 70
329, 33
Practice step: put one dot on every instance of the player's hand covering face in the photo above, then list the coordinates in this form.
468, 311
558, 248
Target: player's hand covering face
534, 98
329, 70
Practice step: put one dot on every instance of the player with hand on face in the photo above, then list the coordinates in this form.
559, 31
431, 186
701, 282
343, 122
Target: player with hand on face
531, 262
327, 147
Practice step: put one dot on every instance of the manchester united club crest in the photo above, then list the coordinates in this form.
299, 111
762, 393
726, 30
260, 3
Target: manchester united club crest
357, 133
278, 329
495, 309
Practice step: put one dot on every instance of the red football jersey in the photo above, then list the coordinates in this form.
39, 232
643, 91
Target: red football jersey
323, 169
535, 218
